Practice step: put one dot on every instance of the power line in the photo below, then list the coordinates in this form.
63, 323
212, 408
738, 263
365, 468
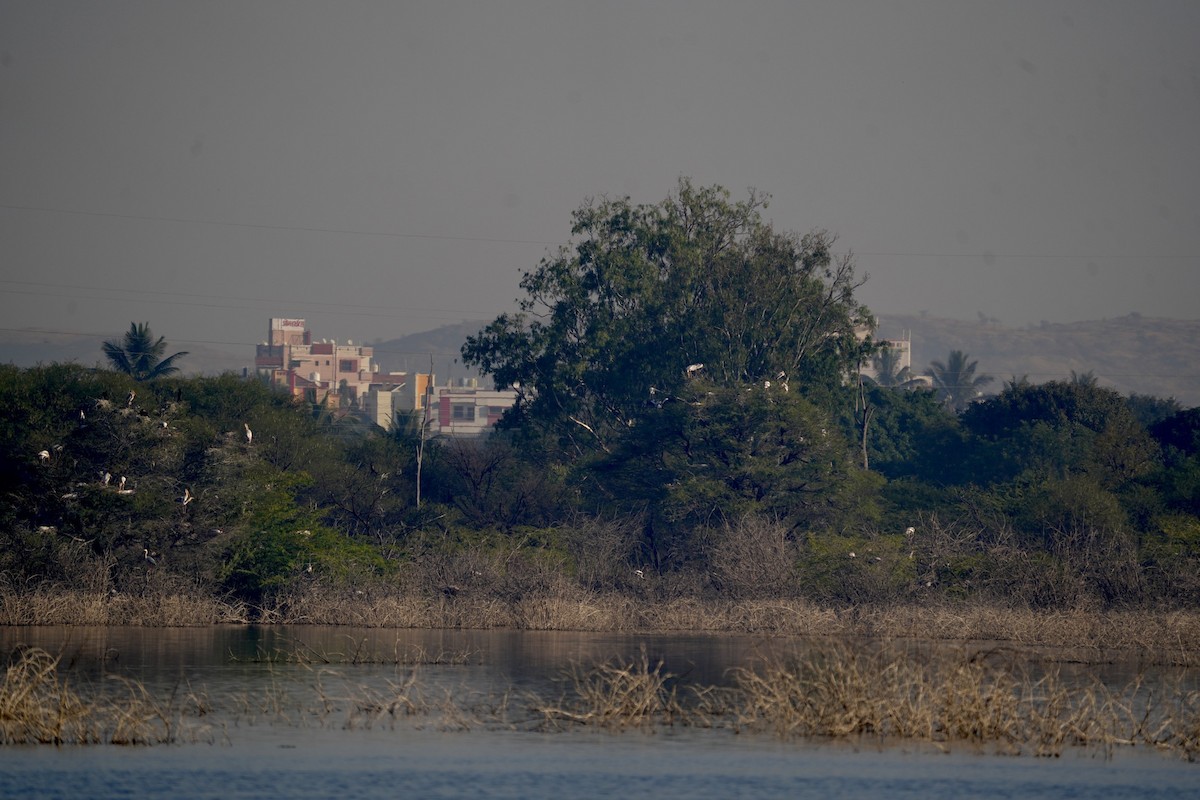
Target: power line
273, 227
1032, 256
506, 240
357, 309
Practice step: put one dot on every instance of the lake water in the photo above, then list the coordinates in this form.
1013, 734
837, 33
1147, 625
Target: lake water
288, 727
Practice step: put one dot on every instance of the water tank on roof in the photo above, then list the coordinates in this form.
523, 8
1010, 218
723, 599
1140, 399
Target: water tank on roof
315, 377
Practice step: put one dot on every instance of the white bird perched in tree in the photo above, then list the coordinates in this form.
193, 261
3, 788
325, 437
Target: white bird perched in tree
129, 399
149, 557
44, 456
121, 482
692, 369
187, 496
105, 477
249, 434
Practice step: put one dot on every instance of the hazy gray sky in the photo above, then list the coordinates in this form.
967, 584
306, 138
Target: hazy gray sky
382, 168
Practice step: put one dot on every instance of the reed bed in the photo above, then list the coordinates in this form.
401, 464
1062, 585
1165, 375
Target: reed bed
881, 693
888, 694
38, 707
616, 696
1163, 637
162, 610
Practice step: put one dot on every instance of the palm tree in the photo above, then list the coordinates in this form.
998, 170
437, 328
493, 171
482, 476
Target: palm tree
955, 381
1087, 379
889, 373
139, 355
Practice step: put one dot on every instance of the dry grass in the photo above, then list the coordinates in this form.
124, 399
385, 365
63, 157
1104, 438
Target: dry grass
885, 694
38, 707
889, 694
881, 692
49, 607
1170, 637
1166, 637
616, 696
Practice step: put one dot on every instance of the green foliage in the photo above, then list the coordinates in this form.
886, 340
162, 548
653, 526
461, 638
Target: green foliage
743, 477
1056, 429
647, 291
139, 355
714, 455
1179, 434
281, 541
1150, 410
900, 426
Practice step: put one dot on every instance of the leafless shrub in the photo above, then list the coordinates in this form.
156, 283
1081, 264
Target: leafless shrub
616, 695
602, 551
753, 557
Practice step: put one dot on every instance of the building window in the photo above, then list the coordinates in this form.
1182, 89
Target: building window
347, 366
462, 411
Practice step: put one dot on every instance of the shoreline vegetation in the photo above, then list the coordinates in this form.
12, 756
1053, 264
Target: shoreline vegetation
867, 695
1170, 637
703, 441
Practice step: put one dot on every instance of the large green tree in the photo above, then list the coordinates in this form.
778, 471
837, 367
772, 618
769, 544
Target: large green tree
649, 297
140, 355
1058, 429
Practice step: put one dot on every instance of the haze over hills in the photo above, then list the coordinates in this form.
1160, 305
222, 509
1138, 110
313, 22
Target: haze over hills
1131, 354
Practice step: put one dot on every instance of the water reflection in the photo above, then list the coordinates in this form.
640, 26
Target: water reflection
296, 750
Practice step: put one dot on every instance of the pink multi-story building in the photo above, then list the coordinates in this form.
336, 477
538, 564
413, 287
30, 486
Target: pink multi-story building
345, 376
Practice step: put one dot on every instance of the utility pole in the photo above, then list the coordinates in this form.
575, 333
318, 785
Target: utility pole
424, 426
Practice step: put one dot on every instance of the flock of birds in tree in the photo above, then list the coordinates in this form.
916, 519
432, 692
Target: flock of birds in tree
693, 370
47, 456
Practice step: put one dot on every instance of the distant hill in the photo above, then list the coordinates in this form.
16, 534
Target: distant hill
1132, 354
412, 353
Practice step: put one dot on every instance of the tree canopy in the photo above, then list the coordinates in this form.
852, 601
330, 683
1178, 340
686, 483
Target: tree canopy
140, 355
648, 297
